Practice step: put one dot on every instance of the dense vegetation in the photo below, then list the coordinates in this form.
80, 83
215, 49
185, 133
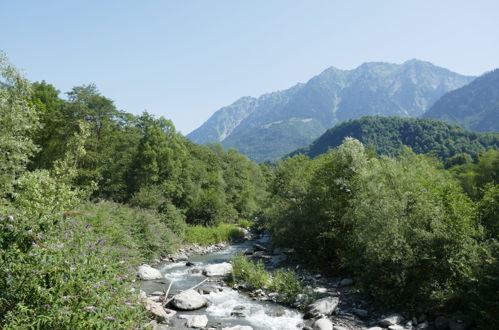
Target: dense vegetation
474, 106
87, 192
275, 124
403, 226
386, 136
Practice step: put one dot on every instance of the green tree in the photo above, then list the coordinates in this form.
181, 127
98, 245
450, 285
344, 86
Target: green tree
18, 119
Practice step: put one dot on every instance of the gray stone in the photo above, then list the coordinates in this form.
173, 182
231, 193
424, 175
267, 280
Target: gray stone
259, 247
189, 300
346, 282
391, 319
239, 327
323, 324
423, 325
156, 309
339, 327
396, 327
276, 260
375, 328
195, 321
360, 312
146, 272
324, 306
222, 269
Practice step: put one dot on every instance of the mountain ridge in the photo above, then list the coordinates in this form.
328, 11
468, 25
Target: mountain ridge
474, 106
277, 123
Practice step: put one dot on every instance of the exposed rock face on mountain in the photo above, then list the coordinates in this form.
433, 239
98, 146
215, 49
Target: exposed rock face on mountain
474, 106
275, 124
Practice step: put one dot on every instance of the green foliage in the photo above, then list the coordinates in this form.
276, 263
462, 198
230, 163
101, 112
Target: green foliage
488, 208
481, 297
57, 271
413, 236
253, 275
387, 135
17, 119
287, 285
401, 225
202, 235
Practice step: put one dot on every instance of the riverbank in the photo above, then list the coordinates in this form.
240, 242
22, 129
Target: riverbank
205, 274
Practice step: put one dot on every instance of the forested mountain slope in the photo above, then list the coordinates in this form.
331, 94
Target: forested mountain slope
474, 106
274, 124
386, 135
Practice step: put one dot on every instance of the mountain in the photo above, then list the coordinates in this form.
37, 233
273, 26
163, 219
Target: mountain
275, 124
474, 106
385, 135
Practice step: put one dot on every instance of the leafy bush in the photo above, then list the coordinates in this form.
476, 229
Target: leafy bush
287, 285
413, 233
141, 234
253, 275
57, 271
210, 235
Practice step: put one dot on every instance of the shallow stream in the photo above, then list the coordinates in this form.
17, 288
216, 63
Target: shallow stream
258, 314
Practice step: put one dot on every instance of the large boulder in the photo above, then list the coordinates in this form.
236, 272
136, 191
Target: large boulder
189, 300
156, 309
392, 319
146, 272
323, 324
195, 321
325, 306
223, 269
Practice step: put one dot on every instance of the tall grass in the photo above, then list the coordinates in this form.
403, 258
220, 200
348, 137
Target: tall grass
211, 235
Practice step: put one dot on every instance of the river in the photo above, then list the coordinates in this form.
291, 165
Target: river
223, 300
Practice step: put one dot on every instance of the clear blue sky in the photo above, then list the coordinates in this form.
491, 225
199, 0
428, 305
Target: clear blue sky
185, 59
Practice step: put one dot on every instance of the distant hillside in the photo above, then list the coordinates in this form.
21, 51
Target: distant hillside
386, 135
275, 124
474, 106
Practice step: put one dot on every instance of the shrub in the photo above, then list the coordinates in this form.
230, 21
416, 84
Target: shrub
252, 274
210, 235
413, 234
57, 271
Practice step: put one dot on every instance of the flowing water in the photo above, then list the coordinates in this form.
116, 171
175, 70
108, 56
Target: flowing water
258, 314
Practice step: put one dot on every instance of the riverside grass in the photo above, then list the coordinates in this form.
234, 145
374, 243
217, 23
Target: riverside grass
255, 276
211, 235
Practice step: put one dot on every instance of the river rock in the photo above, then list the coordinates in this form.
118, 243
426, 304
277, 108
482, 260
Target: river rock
324, 306
339, 327
146, 272
189, 300
259, 247
360, 312
391, 319
396, 327
346, 282
195, 321
222, 269
276, 260
323, 324
239, 327
162, 314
